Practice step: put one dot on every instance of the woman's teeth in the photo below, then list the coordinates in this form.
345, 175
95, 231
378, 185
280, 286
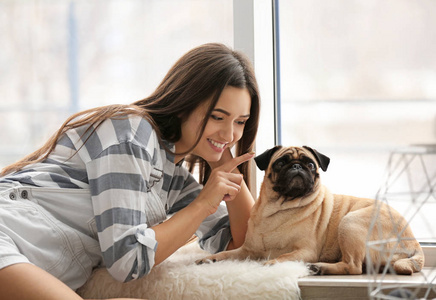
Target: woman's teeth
216, 144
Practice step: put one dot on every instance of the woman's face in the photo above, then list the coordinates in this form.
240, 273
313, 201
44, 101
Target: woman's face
223, 129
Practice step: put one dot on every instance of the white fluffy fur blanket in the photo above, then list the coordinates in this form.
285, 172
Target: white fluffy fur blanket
180, 278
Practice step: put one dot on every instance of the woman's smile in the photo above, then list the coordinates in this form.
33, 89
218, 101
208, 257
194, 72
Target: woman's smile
217, 146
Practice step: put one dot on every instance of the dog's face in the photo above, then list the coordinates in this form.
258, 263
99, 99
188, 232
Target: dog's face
292, 172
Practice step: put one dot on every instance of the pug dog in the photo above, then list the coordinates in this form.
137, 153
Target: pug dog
296, 218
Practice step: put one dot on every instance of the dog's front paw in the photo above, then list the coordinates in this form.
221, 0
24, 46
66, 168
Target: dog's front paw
314, 269
206, 260
270, 262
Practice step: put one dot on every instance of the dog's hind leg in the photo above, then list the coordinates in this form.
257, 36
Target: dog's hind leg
352, 232
340, 268
351, 263
409, 265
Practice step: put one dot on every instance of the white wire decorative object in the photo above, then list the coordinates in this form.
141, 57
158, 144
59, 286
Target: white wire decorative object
410, 189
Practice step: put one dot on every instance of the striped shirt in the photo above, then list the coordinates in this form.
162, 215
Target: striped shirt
133, 185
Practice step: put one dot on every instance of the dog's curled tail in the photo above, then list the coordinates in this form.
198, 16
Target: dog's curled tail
407, 266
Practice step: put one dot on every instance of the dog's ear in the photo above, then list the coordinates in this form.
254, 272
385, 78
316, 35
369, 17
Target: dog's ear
262, 160
323, 160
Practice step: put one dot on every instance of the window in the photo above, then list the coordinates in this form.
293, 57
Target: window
60, 57
357, 83
367, 131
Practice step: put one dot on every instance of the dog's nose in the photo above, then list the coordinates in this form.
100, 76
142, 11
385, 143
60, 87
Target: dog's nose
296, 167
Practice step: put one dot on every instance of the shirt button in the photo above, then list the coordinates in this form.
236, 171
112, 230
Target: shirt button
24, 194
12, 196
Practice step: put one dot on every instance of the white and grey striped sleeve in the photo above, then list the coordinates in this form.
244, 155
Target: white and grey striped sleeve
118, 172
214, 233
119, 195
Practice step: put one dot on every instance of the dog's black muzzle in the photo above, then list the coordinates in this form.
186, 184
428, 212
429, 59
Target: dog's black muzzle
293, 181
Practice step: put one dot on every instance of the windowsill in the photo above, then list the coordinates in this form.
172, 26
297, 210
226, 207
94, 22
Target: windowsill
357, 286
363, 280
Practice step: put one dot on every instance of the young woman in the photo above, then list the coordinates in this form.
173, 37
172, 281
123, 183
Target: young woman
101, 190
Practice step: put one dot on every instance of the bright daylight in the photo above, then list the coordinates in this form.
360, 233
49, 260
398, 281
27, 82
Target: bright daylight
217, 149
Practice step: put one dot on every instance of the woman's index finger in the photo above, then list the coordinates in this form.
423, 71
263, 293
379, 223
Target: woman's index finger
233, 163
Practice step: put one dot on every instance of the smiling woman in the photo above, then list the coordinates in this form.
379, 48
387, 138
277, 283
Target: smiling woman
118, 169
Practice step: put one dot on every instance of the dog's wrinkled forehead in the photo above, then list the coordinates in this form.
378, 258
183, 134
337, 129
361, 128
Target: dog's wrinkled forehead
269, 156
295, 153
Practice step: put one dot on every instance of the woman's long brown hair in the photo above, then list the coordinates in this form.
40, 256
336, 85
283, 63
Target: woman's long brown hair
198, 76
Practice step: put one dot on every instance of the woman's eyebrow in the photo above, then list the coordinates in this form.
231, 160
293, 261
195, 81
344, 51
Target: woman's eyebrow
228, 114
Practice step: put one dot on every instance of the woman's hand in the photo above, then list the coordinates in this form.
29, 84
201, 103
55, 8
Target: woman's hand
222, 185
239, 208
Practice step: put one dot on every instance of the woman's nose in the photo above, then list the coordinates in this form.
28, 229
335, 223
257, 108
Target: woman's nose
226, 133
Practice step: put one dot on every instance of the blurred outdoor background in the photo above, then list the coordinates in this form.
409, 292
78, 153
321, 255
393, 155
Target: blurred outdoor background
357, 79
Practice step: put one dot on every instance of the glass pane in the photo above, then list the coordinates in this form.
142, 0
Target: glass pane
357, 84
59, 57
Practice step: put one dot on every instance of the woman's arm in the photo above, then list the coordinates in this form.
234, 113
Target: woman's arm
175, 232
239, 212
28, 282
239, 209
222, 184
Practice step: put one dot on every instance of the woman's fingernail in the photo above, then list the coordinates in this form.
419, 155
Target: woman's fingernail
251, 152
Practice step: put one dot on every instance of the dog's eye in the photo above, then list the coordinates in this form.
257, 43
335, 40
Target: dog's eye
311, 166
278, 165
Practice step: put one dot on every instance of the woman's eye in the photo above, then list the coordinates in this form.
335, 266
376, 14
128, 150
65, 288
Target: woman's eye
311, 166
241, 122
216, 118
